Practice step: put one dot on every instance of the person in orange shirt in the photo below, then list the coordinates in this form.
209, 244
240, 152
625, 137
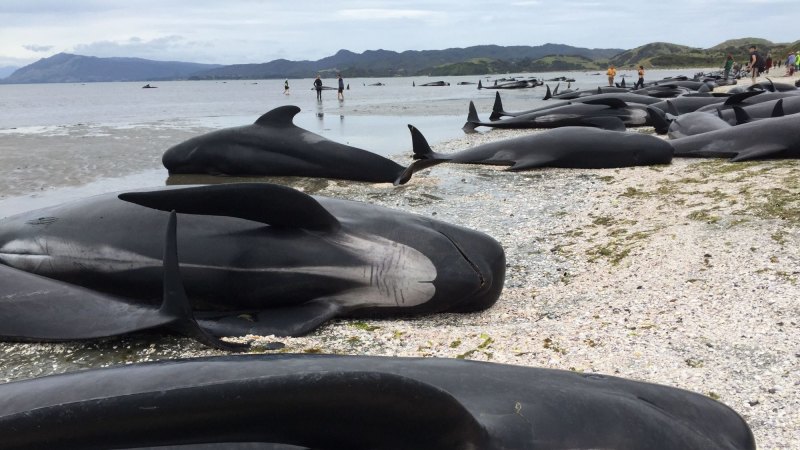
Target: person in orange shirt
612, 72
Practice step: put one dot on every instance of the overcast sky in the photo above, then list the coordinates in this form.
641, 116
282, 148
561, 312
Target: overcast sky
250, 31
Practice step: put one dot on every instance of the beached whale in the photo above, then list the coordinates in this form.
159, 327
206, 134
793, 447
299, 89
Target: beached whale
571, 147
254, 258
436, 83
498, 111
683, 125
777, 137
607, 113
274, 146
359, 402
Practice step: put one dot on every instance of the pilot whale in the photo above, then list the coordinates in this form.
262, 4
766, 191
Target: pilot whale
777, 137
274, 146
254, 258
571, 147
358, 402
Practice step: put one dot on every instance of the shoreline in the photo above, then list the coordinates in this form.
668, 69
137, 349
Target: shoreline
683, 274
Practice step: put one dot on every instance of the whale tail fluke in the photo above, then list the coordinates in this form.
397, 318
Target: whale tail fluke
472, 119
425, 157
416, 166
497, 108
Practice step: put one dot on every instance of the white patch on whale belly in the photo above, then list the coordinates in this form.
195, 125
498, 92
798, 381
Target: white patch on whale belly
393, 275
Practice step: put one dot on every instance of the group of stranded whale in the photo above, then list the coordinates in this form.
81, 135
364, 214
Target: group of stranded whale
214, 261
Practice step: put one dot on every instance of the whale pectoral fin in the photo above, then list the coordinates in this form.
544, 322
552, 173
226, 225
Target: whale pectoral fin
271, 204
284, 321
758, 151
531, 162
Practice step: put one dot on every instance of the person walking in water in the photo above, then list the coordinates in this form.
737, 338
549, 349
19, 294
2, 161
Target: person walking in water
612, 72
640, 82
286, 87
318, 87
341, 88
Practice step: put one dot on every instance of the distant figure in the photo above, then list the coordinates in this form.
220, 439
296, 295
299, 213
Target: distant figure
286, 87
768, 64
612, 72
754, 65
318, 87
340, 93
640, 82
728, 65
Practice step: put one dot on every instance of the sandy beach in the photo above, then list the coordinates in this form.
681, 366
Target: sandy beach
683, 274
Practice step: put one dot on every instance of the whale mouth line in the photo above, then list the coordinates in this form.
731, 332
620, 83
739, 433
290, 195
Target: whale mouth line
471, 264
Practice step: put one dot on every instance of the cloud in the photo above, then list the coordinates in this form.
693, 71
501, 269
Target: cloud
38, 48
384, 14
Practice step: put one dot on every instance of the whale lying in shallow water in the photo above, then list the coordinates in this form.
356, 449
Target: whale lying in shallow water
274, 146
253, 259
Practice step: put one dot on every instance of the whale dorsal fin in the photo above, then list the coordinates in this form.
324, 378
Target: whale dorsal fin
270, 204
280, 116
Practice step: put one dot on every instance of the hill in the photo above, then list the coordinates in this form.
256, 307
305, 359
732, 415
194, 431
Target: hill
69, 68
381, 63
664, 55
476, 60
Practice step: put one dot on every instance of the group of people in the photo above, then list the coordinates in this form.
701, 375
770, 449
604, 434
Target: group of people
757, 64
612, 73
318, 87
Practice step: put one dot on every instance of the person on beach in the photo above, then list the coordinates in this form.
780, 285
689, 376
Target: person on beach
612, 72
754, 64
340, 94
640, 81
768, 63
318, 87
790, 61
728, 65
286, 87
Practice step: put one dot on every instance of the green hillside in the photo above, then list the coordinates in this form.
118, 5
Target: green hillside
665, 55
